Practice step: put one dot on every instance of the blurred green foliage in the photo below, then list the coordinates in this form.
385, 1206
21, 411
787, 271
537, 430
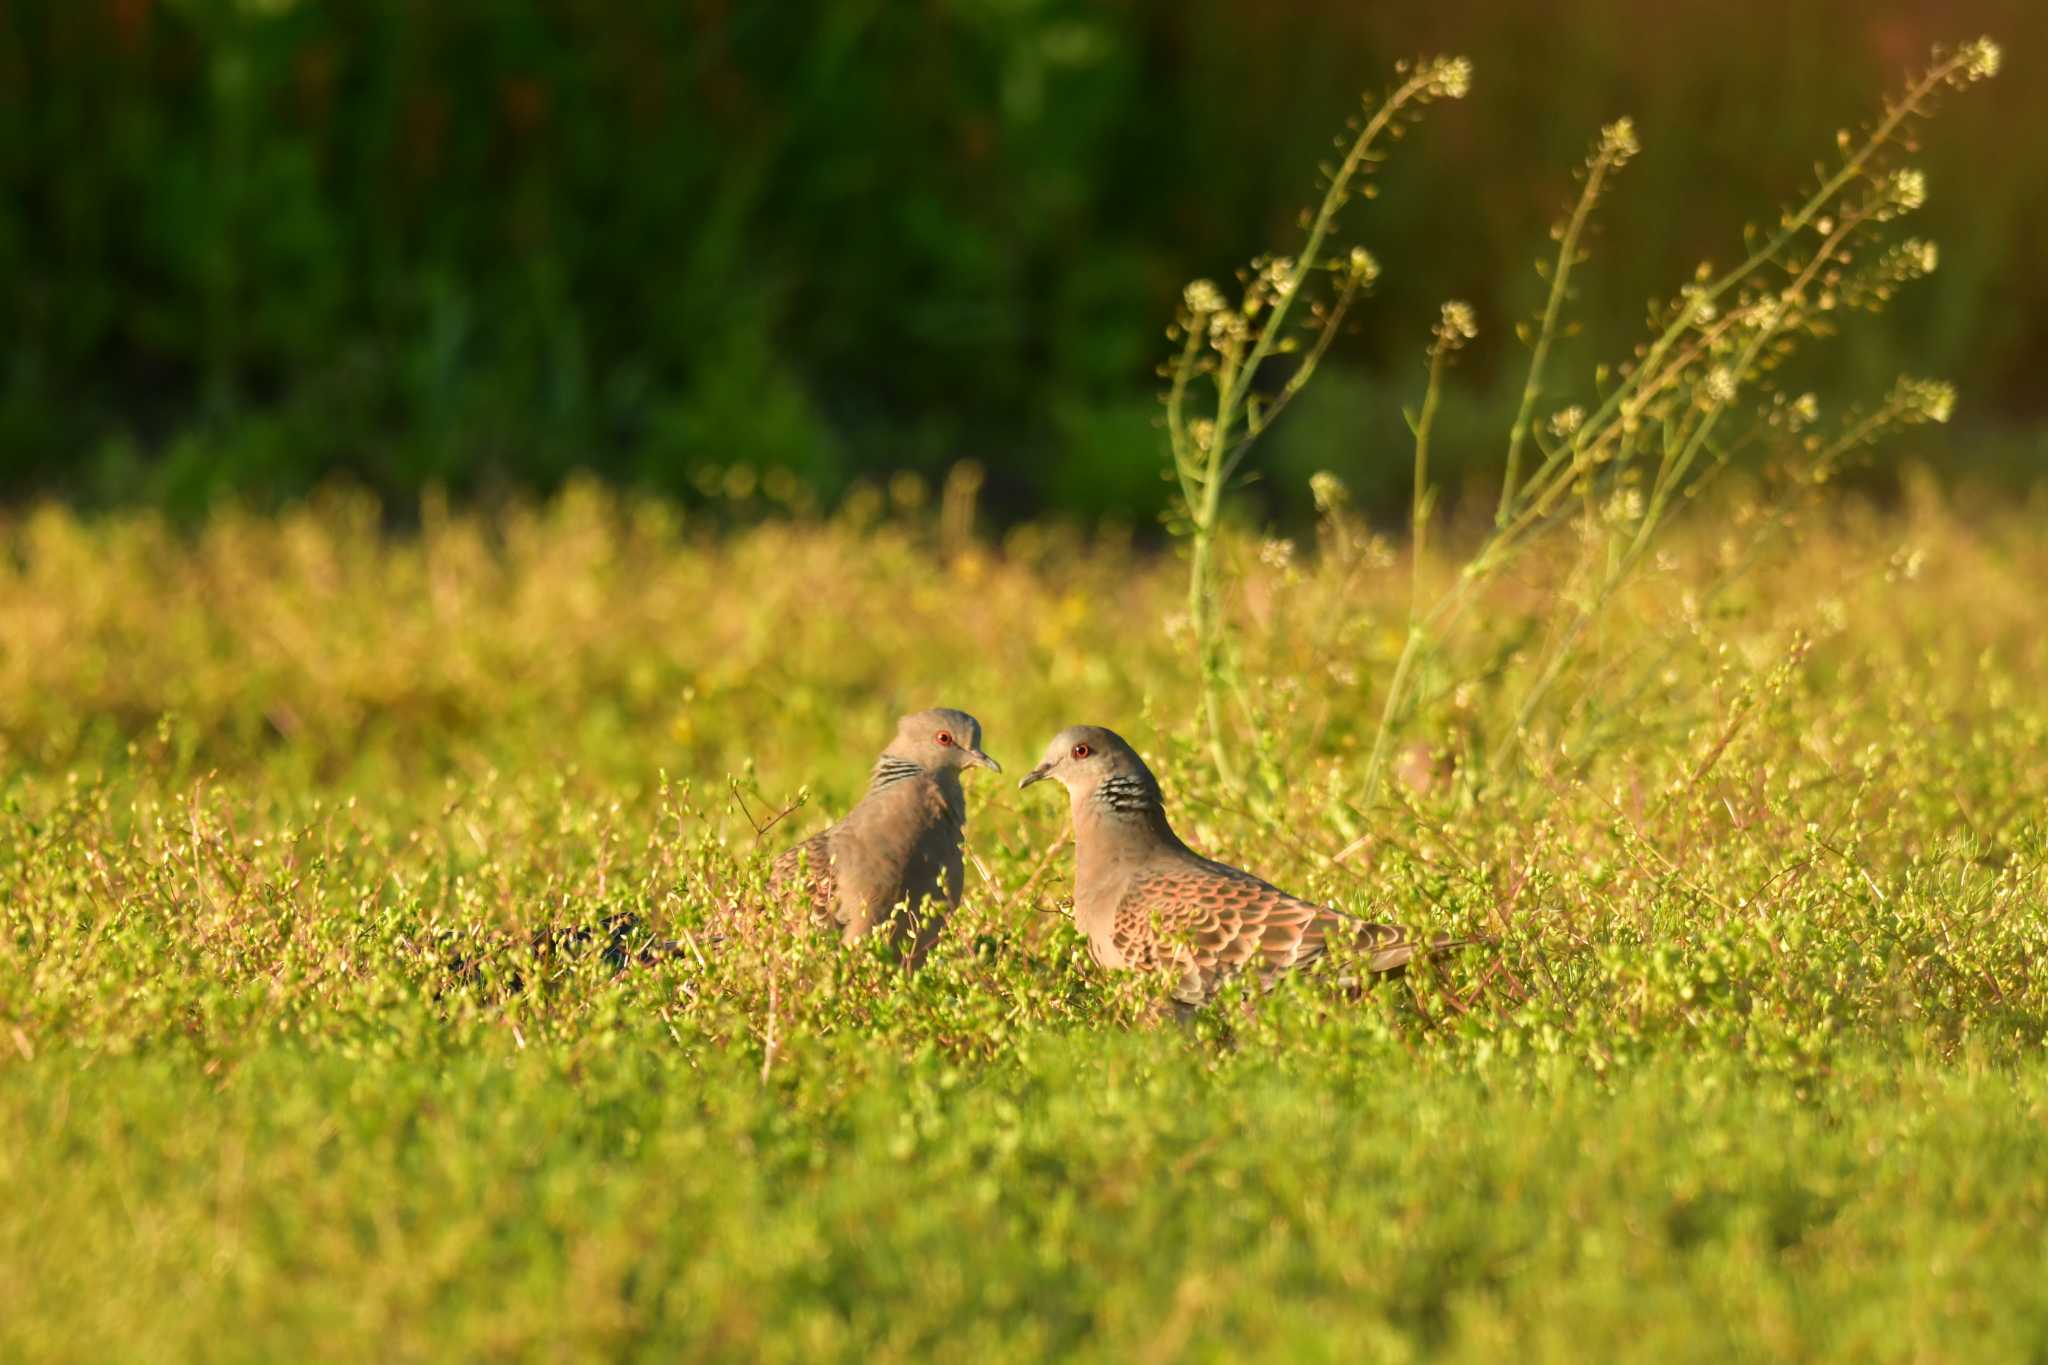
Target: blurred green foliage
253, 244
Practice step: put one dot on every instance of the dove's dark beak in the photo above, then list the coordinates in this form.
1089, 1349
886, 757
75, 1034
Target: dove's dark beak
977, 759
1037, 774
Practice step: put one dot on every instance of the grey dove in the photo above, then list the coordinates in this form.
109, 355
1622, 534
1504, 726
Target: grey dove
1146, 900
895, 859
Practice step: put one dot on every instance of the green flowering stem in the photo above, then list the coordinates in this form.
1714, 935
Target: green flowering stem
1326, 331
1232, 395
1450, 334
1176, 409
1205, 460
1617, 145
1678, 460
1667, 367
1965, 64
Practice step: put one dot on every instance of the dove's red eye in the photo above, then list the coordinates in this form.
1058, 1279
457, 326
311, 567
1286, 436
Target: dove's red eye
945, 737
1081, 751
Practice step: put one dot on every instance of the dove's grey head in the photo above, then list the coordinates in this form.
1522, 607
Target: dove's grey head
1097, 768
937, 740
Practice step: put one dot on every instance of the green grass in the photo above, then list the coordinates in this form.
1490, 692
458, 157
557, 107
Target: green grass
288, 1070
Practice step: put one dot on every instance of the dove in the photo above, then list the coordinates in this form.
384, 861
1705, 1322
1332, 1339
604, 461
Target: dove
1146, 900
895, 859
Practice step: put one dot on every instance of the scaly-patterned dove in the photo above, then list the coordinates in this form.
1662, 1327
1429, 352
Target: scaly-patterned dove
1146, 900
895, 859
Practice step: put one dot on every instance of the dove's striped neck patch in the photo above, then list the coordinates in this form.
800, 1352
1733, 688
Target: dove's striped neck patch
889, 771
1128, 794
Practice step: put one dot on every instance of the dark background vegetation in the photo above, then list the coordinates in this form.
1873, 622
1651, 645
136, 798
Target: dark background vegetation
252, 245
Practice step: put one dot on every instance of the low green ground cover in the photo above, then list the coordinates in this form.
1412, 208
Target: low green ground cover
310, 1046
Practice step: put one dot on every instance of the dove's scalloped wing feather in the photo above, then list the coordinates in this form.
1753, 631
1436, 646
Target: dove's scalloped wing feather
1213, 921
806, 869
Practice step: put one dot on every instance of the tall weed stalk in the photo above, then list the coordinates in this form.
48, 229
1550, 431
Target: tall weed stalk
1614, 469
1223, 347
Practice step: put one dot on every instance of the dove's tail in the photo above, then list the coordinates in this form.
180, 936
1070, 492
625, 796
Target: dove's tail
1396, 956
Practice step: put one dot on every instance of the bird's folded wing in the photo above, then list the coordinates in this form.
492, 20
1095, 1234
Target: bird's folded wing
1215, 922
1220, 921
817, 885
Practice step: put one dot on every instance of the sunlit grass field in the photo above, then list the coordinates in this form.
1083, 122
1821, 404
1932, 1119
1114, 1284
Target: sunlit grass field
313, 1043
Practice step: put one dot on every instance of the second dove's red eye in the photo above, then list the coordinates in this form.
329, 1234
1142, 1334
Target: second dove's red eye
945, 738
1080, 751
